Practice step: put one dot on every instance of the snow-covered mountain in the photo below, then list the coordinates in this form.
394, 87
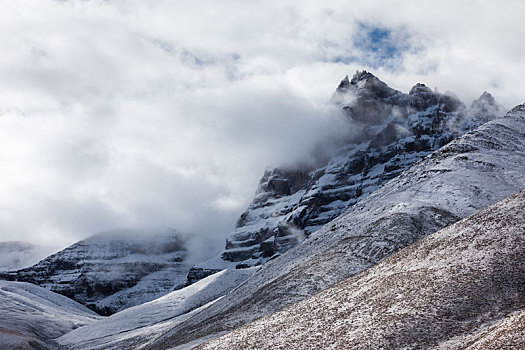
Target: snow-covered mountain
456, 284
138, 325
387, 185
388, 132
474, 171
114, 270
19, 254
30, 316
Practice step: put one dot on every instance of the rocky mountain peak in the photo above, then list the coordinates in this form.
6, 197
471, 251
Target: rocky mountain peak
395, 131
363, 86
419, 89
422, 97
369, 87
361, 76
344, 84
366, 99
486, 108
487, 98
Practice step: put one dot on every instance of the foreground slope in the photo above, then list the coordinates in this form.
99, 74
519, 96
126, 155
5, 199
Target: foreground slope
449, 284
130, 328
113, 270
507, 333
31, 315
470, 173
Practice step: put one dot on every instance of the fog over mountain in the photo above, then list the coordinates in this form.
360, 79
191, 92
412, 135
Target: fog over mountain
137, 114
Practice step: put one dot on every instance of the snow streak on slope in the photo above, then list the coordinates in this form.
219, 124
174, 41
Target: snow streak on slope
468, 174
31, 315
113, 270
448, 284
133, 327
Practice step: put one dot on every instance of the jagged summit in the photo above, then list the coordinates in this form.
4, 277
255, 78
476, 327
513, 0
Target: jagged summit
361, 75
392, 131
344, 84
356, 78
486, 97
485, 105
364, 86
420, 88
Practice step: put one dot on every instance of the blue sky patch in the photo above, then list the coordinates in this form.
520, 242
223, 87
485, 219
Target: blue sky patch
377, 46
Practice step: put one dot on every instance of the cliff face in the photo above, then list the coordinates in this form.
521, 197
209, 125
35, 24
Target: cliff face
111, 271
390, 131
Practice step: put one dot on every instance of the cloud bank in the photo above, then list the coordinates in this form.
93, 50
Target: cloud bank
125, 113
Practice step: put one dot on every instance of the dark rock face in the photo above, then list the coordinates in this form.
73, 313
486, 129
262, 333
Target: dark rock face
113, 271
396, 130
196, 274
421, 97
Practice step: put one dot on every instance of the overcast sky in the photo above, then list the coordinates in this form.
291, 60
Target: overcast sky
121, 114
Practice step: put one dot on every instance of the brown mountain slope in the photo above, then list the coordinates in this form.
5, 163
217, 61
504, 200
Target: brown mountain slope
464, 278
508, 333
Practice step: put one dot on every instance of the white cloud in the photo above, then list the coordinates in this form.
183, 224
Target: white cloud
165, 113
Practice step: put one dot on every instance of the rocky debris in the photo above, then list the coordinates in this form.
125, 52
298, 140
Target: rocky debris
448, 285
396, 131
112, 271
474, 171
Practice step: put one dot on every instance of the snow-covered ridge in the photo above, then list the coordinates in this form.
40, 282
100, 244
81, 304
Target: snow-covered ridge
30, 315
476, 170
136, 326
437, 292
114, 270
394, 131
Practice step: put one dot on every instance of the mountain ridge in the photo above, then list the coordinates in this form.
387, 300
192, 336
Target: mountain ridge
476, 170
394, 131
